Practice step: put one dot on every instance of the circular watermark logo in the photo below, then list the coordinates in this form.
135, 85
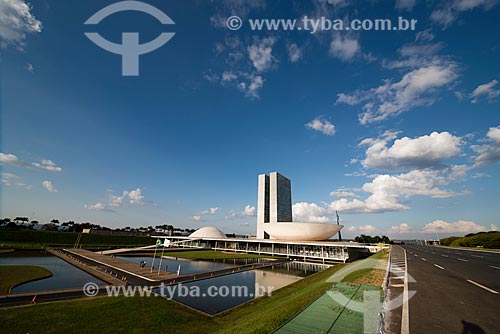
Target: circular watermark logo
234, 22
90, 289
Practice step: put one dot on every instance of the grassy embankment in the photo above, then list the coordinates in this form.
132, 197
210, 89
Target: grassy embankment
371, 276
146, 315
484, 240
43, 239
11, 276
143, 315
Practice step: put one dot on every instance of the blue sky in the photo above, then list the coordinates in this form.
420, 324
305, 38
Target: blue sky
397, 130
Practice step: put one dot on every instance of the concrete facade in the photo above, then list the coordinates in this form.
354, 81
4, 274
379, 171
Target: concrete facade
274, 213
280, 198
274, 202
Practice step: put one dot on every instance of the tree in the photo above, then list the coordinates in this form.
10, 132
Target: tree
21, 221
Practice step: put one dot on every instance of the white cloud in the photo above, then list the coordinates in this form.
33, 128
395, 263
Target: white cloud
322, 126
12, 180
211, 211
248, 211
364, 229
45, 165
462, 226
487, 91
489, 153
413, 90
99, 206
128, 197
197, 218
392, 192
294, 52
251, 88
343, 193
405, 4
425, 36
400, 229
309, 212
420, 152
261, 53
30, 68
132, 197
451, 9
345, 48
16, 21
49, 186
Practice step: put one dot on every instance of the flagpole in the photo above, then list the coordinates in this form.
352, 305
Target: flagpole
152, 264
161, 258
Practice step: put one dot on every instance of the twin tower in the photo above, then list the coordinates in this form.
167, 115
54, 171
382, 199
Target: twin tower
274, 202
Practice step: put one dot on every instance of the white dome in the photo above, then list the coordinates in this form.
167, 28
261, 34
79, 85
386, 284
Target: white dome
208, 232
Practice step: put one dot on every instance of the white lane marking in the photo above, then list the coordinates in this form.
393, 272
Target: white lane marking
423, 259
405, 316
438, 266
433, 252
482, 286
415, 255
444, 255
459, 259
397, 285
494, 267
477, 256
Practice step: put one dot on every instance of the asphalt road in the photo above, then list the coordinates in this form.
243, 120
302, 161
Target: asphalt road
457, 291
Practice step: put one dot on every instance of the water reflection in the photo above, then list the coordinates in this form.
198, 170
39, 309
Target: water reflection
64, 274
251, 285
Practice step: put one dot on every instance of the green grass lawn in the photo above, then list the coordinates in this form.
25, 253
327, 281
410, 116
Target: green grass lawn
11, 276
147, 315
43, 239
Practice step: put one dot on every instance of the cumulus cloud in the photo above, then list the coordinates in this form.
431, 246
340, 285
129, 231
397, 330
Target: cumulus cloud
197, 218
461, 226
451, 9
309, 212
243, 66
345, 48
364, 229
211, 211
415, 89
294, 52
12, 160
487, 91
16, 21
321, 125
261, 53
400, 229
127, 198
252, 87
489, 153
49, 186
392, 192
248, 211
420, 152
